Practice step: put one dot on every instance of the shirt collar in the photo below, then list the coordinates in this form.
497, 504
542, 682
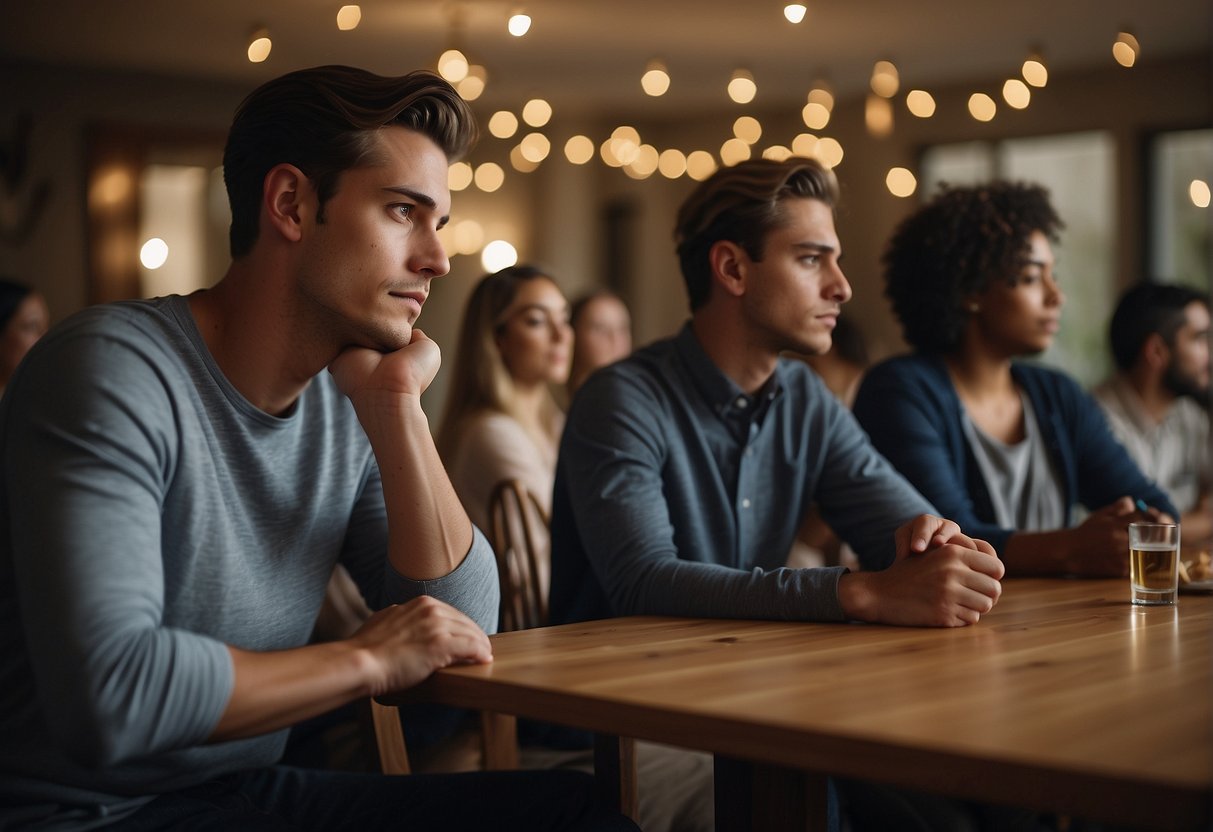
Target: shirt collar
719, 391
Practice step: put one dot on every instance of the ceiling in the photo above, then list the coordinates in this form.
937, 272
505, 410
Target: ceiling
588, 56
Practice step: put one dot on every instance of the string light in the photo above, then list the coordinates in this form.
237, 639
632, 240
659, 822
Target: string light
742, 88
656, 79
901, 182
920, 103
453, 65
795, 12
1016, 93
1126, 49
519, 23
1034, 70
885, 79
259, 45
982, 107
348, 17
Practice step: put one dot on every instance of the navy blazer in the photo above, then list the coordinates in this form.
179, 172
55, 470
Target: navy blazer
911, 411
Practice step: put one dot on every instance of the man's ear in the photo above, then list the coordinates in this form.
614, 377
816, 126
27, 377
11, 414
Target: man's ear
729, 267
1155, 352
284, 195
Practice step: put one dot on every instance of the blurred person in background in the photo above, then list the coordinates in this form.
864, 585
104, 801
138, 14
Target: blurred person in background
1157, 401
1004, 447
502, 421
24, 318
602, 334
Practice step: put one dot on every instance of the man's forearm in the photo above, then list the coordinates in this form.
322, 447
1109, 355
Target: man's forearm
429, 532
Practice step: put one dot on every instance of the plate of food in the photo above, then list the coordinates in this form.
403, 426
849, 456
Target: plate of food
1196, 574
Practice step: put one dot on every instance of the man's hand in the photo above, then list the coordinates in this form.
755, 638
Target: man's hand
941, 578
404, 644
408, 371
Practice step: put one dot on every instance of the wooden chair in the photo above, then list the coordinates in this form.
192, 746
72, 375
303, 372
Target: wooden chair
518, 532
498, 739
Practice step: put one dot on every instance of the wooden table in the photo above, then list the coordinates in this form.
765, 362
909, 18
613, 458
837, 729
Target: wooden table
1065, 698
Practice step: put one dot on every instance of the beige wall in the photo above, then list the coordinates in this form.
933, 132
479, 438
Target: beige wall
555, 215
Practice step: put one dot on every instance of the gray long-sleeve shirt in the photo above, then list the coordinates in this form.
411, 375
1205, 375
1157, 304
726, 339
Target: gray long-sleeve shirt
149, 516
678, 494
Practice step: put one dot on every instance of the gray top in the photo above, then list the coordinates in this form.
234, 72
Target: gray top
678, 494
1173, 452
1024, 487
149, 515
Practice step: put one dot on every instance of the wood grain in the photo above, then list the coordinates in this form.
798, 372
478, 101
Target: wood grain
1065, 698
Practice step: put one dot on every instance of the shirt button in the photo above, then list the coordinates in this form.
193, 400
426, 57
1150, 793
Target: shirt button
741, 403
745, 503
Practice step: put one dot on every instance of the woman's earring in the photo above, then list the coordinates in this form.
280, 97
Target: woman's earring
973, 307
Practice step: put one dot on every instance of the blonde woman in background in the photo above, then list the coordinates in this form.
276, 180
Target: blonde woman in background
502, 421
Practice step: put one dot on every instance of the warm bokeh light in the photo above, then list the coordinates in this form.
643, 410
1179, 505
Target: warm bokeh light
1035, 72
503, 124
489, 177
627, 133
467, 236
742, 88
815, 115
656, 79
153, 254
805, 145
579, 149
535, 147
645, 163
829, 152
111, 187
537, 112
1198, 191
900, 182
519, 160
777, 152
795, 12
700, 165
920, 103
259, 47
472, 87
821, 95
747, 129
453, 65
348, 17
1016, 93
459, 176
519, 24
878, 116
734, 151
498, 255
672, 163
885, 79
982, 107
1126, 49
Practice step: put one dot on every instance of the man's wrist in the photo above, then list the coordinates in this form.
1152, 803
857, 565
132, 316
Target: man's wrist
856, 596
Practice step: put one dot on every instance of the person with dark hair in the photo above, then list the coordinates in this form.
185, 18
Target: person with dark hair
686, 469
24, 319
602, 334
1157, 401
181, 476
1004, 447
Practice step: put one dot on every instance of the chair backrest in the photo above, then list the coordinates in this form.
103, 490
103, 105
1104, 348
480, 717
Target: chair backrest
518, 531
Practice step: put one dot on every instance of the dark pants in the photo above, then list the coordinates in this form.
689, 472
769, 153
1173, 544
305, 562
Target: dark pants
282, 798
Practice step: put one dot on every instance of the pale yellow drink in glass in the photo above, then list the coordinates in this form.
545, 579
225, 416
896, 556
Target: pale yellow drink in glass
1153, 563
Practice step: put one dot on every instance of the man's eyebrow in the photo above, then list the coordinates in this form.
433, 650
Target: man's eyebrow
424, 199
813, 246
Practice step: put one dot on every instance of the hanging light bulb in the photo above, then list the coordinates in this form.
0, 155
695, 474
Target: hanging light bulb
885, 79
348, 17
1034, 70
742, 88
453, 65
519, 23
259, 45
1126, 50
795, 12
656, 78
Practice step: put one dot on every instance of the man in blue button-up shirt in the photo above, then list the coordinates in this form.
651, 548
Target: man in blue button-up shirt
686, 470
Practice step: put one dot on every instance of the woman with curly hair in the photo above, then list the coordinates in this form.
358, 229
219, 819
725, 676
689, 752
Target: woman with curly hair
1006, 449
